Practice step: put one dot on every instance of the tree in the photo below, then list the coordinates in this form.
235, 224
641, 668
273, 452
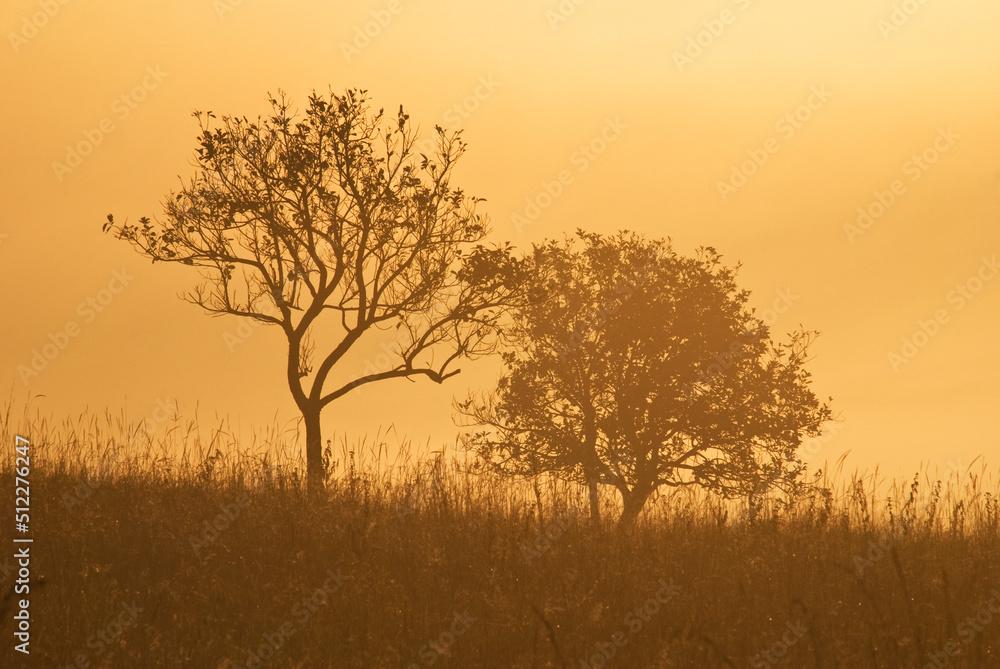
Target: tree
632, 366
331, 227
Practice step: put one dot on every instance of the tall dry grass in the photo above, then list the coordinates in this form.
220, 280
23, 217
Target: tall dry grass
415, 558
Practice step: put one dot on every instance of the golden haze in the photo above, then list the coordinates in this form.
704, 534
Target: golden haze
547, 84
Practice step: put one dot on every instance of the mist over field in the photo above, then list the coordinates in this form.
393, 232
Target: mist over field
537, 334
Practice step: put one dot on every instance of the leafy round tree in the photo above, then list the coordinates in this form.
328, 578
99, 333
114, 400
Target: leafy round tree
329, 226
632, 366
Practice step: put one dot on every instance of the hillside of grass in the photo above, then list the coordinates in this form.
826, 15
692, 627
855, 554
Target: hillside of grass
186, 551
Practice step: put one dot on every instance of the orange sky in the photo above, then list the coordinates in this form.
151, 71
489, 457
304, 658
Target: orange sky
643, 110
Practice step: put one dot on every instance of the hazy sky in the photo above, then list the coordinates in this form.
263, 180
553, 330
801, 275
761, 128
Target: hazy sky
759, 127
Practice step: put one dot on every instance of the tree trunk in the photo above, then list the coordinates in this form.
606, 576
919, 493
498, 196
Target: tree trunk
595, 502
592, 462
633, 501
315, 476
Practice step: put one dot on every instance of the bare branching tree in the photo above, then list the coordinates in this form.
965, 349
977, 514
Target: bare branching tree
329, 226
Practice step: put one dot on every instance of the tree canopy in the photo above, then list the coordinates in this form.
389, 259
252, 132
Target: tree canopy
632, 366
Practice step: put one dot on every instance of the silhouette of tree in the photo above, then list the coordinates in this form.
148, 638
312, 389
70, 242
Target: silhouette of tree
632, 366
330, 227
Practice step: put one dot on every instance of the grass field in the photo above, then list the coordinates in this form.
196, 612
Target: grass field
184, 550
